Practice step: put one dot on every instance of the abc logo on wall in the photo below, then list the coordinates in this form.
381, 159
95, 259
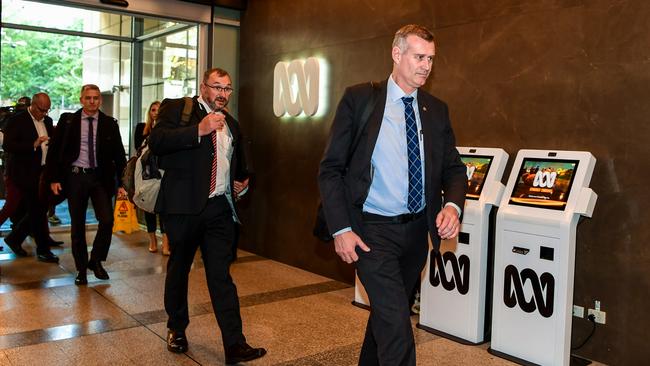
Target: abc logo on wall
296, 87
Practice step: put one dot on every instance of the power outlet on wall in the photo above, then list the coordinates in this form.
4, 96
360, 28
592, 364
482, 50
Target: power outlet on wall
578, 311
599, 316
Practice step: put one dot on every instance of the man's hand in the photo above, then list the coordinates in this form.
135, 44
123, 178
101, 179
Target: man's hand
213, 121
40, 140
447, 223
240, 186
56, 188
345, 245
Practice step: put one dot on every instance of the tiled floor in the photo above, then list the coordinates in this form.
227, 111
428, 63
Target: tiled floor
300, 317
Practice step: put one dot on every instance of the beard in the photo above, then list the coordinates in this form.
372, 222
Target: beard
217, 103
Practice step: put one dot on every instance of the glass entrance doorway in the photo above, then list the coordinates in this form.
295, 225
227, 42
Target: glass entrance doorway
135, 60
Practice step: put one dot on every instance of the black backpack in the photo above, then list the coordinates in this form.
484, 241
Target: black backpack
151, 161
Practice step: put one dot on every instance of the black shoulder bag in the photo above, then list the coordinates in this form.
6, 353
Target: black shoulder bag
320, 230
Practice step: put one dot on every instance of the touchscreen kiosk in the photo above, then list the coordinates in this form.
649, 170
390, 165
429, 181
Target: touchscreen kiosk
454, 286
534, 261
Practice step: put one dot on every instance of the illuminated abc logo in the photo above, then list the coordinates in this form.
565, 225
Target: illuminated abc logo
295, 87
544, 179
438, 276
539, 284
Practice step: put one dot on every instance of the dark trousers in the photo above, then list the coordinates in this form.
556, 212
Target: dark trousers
212, 231
151, 220
389, 272
13, 197
81, 187
29, 216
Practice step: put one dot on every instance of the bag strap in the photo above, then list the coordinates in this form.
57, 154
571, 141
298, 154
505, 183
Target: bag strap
365, 116
187, 111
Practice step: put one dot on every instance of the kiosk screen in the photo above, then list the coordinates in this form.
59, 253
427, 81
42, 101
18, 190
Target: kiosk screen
544, 183
477, 169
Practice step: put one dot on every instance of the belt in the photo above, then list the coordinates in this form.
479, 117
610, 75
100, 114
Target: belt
80, 170
370, 218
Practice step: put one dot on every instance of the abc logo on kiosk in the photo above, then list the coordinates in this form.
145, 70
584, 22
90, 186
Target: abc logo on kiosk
541, 300
438, 276
296, 87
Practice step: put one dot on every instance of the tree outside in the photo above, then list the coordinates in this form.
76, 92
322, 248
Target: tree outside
34, 62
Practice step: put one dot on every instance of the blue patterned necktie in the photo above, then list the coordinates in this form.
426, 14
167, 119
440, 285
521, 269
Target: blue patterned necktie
415, 163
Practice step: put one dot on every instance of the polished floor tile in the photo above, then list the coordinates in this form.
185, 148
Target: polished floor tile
301, 318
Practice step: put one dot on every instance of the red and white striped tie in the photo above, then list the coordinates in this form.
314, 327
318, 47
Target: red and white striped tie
213, 176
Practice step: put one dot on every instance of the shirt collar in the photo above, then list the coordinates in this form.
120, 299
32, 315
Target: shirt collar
34, 119
395, 93
205, 105
84, 115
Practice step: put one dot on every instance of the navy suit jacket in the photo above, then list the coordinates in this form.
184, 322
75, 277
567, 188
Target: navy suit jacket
23, 162
344, 186
187, 162
110, 153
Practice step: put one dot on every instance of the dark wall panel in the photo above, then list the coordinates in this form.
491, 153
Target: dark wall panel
543, 74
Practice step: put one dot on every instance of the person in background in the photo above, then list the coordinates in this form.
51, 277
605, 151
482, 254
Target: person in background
86, 162
382, 198
142, 131
26, 146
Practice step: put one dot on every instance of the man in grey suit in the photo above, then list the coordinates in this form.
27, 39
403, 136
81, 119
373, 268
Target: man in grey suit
383, 196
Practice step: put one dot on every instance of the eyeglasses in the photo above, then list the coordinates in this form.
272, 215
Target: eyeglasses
220, 89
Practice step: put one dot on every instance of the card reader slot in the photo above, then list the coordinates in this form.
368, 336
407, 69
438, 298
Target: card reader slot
520, 250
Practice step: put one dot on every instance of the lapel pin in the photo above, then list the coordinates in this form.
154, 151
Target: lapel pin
424, 108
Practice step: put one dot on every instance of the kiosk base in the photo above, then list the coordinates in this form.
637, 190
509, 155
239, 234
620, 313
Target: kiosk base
574, 361
360, 305
448, 336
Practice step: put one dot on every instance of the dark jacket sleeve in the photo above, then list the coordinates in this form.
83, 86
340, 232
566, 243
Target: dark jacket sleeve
15, 140
53, 167
119, 155
333, 165
454, 172
138, 135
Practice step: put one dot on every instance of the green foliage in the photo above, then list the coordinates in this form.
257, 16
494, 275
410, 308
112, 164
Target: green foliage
33, 62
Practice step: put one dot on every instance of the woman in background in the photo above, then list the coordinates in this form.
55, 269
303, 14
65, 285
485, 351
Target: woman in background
142, 130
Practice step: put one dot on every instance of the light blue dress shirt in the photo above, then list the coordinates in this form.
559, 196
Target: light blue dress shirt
388, 195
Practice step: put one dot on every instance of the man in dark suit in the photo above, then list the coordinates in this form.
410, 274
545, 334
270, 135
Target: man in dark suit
383, 196
86, 162
202, 158
26, 145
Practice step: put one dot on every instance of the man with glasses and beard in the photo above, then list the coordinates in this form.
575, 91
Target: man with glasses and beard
205, 170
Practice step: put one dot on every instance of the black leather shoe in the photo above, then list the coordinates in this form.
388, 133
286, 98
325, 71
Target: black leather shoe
243, 353
98, 270
47, 257
17, 249
176, 341
81, 279
54, 243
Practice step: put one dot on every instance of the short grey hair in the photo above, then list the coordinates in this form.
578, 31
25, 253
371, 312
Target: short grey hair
411, 29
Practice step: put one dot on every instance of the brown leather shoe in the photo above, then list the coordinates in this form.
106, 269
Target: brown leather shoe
242, 353
176, 341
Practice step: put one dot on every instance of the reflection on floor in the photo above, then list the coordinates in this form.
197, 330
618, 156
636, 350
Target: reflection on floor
300, 317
